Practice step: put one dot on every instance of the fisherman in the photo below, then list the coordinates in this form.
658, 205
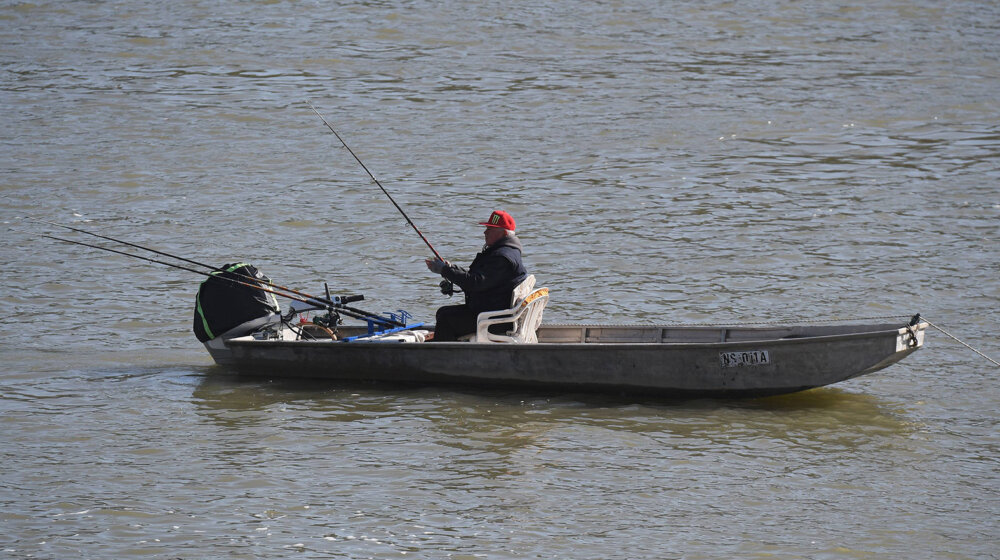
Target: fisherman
488, 283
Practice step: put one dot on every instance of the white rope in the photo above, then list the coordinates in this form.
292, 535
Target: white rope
960, 342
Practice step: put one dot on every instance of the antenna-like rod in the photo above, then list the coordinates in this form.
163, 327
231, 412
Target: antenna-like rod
393, 201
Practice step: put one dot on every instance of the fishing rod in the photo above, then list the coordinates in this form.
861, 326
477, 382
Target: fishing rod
174, 265
124, 243
350, 312
337, 301
392, 200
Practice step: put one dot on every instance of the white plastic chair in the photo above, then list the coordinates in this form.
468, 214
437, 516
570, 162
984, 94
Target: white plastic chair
526, 309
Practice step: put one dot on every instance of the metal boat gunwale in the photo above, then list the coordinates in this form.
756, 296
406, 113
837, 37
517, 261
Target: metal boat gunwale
543, 344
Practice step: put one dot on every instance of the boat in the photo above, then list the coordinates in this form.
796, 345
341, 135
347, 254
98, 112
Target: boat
663, 360
243, 329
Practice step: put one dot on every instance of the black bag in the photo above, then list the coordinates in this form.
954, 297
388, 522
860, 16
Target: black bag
222, 304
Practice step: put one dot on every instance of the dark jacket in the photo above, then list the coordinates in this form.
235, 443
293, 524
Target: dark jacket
491, 277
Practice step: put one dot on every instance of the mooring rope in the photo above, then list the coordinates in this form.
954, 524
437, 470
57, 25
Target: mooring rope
960, 341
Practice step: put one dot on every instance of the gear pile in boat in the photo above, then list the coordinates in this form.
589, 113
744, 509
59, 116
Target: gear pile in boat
233, 302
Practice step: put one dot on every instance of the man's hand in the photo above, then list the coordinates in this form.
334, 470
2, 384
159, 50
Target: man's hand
435, 265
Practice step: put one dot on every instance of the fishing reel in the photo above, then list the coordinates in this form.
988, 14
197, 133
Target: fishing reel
448, 288
329, 320
321, 326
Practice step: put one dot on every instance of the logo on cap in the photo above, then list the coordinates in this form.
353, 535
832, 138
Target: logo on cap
499, 219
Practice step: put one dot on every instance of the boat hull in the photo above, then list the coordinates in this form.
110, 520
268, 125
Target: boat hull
673, 361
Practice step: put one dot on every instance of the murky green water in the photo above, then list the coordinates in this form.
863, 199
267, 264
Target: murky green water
666, 162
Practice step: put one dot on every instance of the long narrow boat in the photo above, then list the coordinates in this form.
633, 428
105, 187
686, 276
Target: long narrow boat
673, 361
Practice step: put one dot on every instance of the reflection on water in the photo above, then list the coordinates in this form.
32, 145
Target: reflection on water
499, 445
460, 412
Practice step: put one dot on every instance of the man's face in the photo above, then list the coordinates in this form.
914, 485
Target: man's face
493, 234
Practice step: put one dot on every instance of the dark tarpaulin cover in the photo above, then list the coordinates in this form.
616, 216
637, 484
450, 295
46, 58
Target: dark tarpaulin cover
222, 304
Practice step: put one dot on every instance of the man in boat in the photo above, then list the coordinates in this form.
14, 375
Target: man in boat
488, 283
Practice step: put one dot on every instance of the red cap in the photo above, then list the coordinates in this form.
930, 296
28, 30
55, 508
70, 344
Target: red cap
501, 219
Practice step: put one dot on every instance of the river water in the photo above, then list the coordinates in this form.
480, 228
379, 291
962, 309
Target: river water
667, 162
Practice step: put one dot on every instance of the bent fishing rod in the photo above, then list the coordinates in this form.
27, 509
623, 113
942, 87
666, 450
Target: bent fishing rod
337, 301
392, 200
312, 300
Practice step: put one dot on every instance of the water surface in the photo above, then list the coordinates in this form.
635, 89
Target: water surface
682, 162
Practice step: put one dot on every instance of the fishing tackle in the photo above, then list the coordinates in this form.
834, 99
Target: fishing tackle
335, 301
242, 280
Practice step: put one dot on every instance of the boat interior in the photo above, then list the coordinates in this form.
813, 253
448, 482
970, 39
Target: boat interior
660, 334
619, 334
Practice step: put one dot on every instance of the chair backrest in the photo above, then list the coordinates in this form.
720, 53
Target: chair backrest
522, 290
526, 328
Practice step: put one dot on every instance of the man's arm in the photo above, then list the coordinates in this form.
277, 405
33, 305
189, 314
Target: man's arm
489, 275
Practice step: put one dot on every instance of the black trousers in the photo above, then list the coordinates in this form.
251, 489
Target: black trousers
454, 321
